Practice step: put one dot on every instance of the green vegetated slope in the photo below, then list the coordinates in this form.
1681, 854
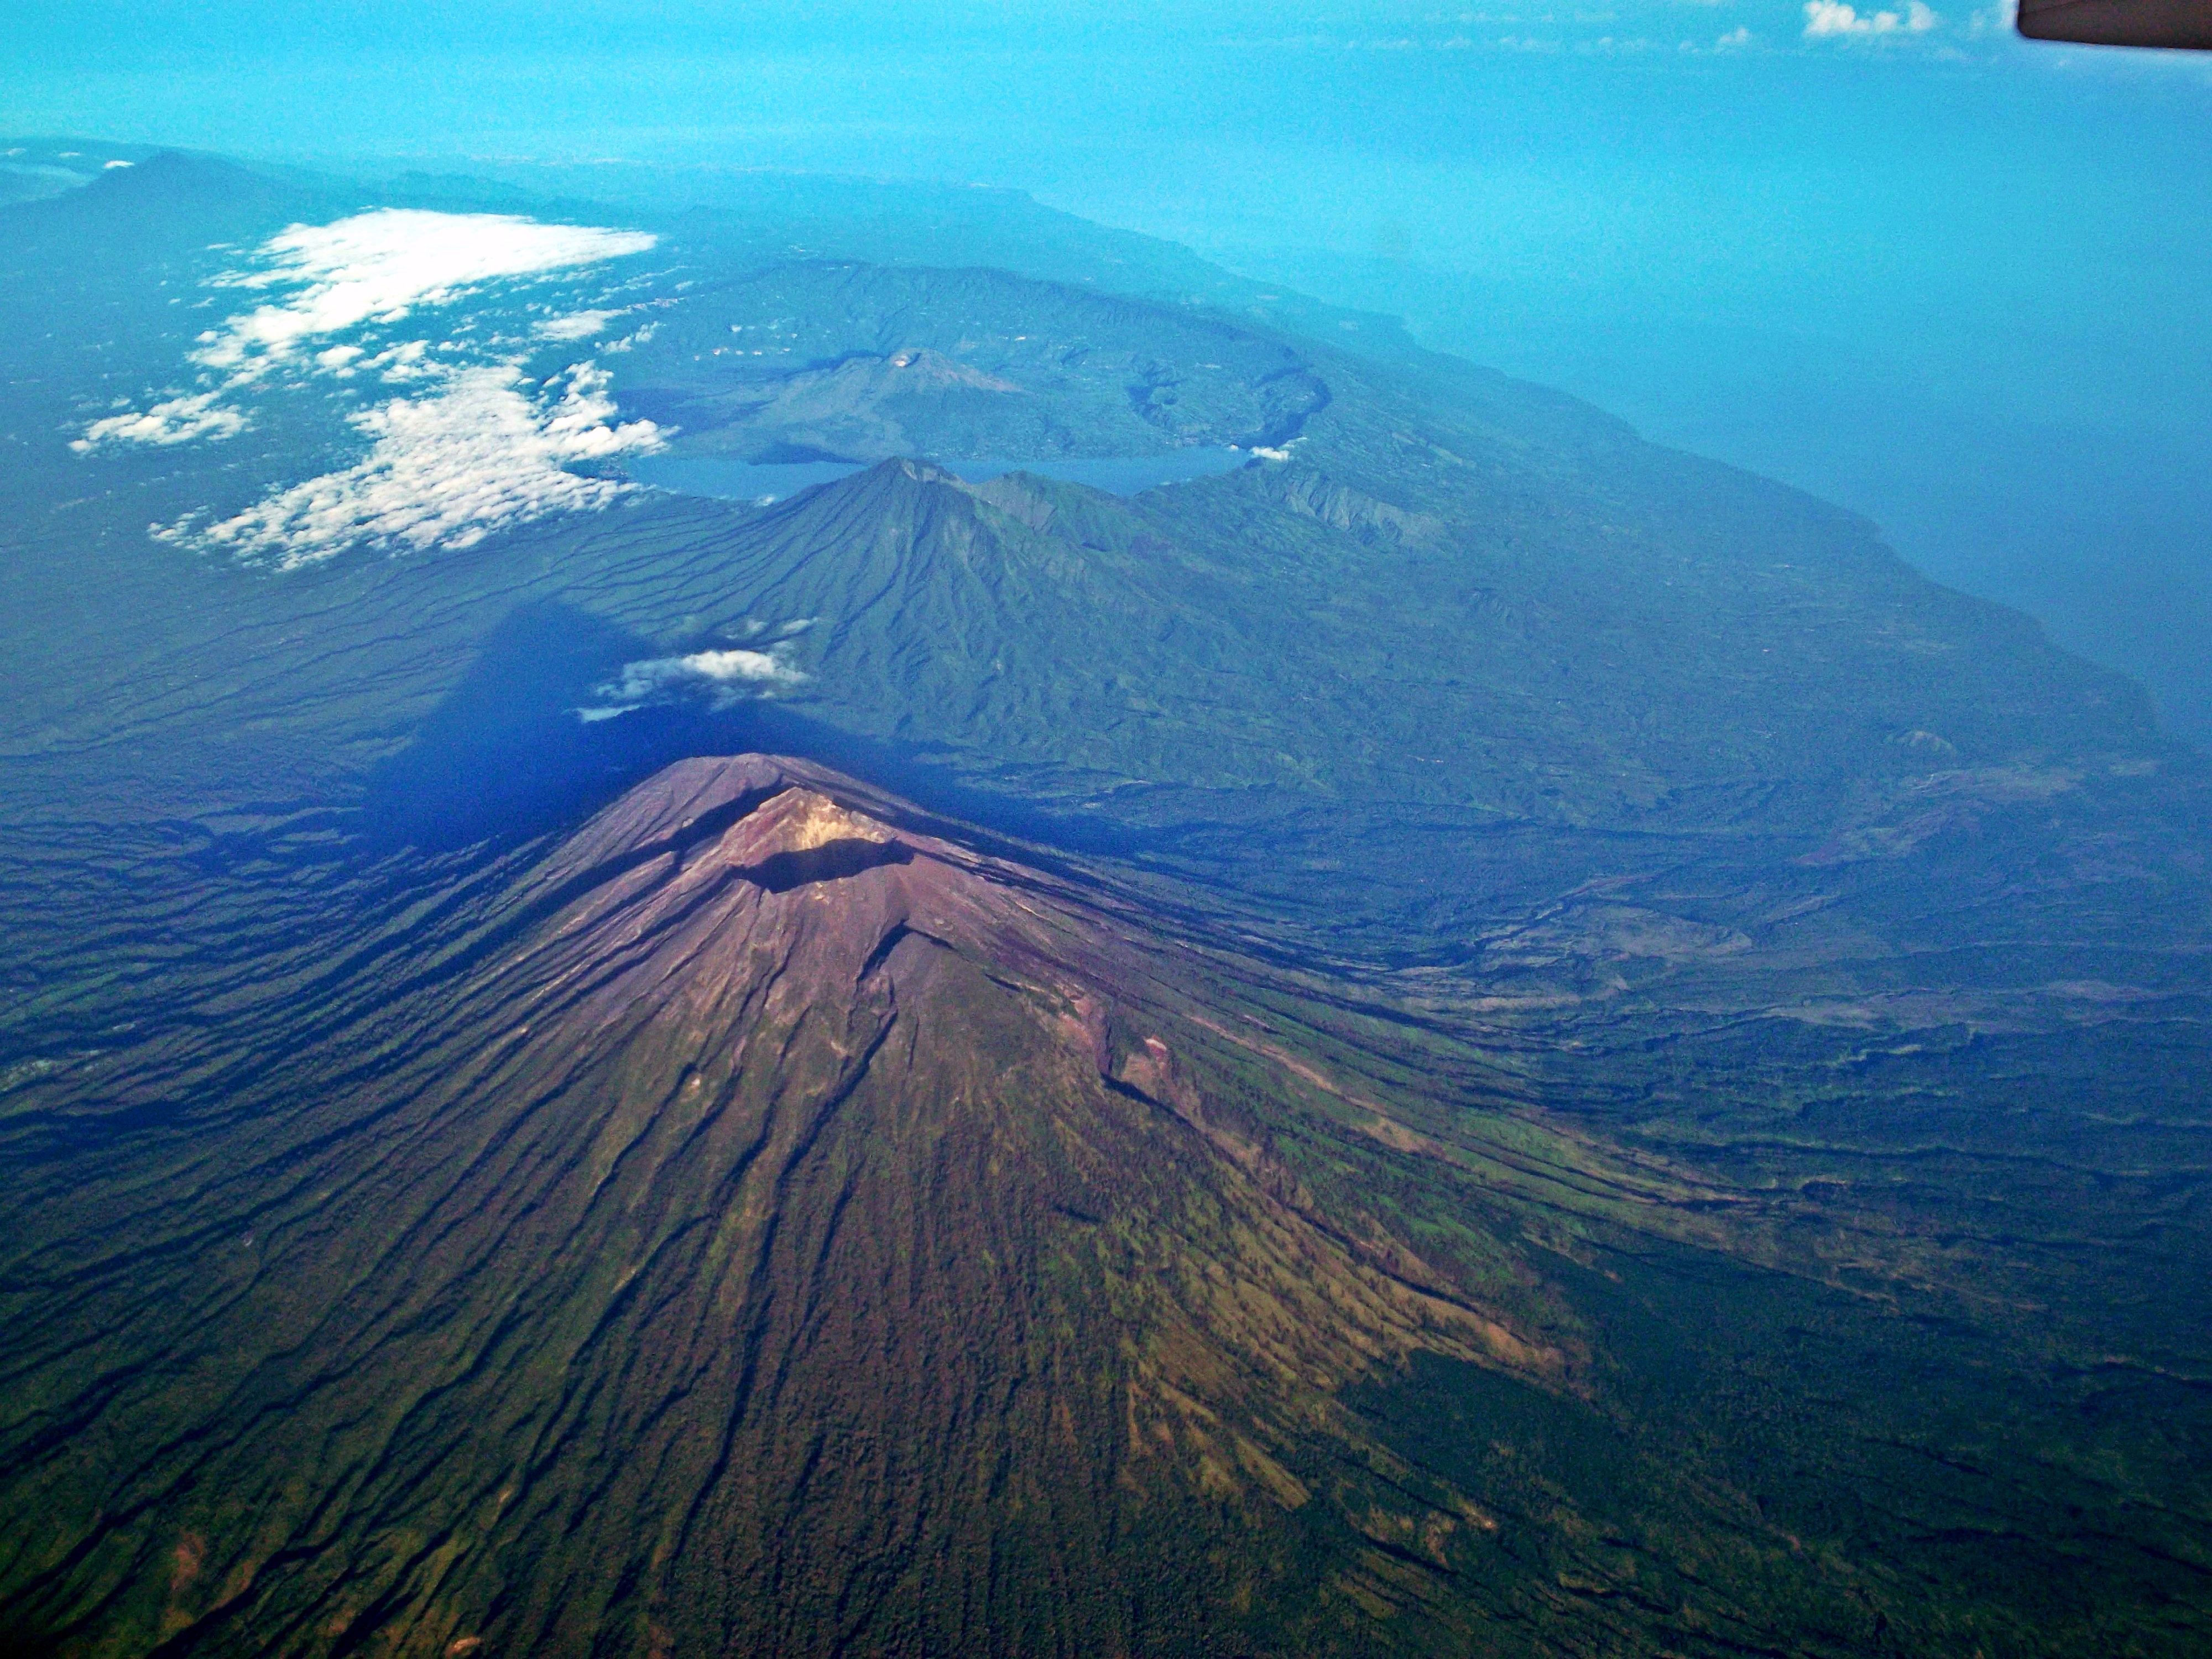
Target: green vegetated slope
1766, 988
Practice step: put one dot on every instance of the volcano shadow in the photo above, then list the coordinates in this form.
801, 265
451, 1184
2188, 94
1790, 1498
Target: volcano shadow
507, 755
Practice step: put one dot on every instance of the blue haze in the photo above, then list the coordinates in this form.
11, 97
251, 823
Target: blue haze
1950, 279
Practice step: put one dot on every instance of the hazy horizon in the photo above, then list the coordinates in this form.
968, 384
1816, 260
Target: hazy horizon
1944, 277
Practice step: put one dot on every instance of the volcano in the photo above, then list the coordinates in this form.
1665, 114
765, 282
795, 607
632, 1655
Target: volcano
782, 1229
767, 1218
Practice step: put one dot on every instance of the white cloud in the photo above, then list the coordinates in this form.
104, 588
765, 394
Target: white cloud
373, 267
579, 326
472, 448
1832, 20
408, 361
446, 470
721, 678
728, 667
378, 266
1738, 38
180, 420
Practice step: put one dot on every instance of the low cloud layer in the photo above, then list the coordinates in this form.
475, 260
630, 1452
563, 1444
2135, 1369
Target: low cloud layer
483, 454
378, 267
472, 448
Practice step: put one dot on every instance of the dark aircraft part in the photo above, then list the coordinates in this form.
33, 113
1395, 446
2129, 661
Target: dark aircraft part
2180, 23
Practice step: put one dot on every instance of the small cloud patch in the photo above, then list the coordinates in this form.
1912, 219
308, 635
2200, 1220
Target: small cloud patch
718, 678
1832, 20
178, 420
577, 325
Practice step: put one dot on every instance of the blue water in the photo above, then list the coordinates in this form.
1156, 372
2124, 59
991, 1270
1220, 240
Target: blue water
742, 481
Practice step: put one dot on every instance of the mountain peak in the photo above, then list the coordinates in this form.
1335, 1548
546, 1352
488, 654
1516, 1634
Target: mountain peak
849, 1208
172, 200
178, 177
805, 820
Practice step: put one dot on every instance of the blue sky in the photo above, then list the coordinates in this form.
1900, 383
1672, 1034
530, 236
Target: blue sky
1887, 251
